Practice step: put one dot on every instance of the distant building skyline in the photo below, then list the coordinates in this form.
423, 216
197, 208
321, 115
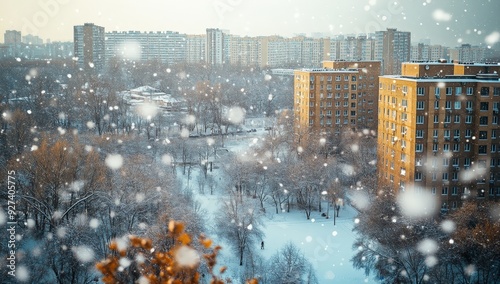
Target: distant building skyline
449, 23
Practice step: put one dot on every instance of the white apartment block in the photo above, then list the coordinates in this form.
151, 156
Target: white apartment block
168, 47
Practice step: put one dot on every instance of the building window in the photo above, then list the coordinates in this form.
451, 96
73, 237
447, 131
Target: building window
468, 133
446, 162
458, 91
467, 147
420, 133
458, 105
444, 190
470, 91
434, 147
437, 91
483, 106
446, 147
493, 148
493, 134
447, 105
449, 91
419, 147
454, 190
420, 91
457, 119
418, 176
456, 147
433, 191
483, 120
468, 119
420, 104
436, 104
483, 135
420, 119
467, 162
485, 91
436, 118
482, 149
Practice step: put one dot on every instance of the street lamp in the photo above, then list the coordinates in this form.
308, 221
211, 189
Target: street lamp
324, 193
338, 203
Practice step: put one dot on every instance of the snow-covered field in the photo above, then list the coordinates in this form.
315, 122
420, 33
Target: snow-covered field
327, 246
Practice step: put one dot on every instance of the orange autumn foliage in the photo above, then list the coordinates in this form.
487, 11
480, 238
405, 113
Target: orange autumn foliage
157, 267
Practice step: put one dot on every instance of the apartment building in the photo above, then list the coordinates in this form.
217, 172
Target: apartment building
339, 96
89, 44
196, 48
427, 52
245, 51
392, 47
438, 131
217, 46
168, 46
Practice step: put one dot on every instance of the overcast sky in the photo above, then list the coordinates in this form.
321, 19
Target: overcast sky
448, 22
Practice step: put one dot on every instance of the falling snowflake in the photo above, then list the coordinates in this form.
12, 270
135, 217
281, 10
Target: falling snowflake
114, 161
236, 115
417, 205
187, 257
84, 254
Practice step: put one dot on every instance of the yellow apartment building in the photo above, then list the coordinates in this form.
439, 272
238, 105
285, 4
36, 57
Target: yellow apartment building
438, 131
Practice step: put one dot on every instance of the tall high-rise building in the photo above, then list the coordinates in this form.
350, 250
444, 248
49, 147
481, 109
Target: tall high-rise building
471, 54
12, 37
217, 47
340, 96
89, 41
196, 48
439, 131
392, 47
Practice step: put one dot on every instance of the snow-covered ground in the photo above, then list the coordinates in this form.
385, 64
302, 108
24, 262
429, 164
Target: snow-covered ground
327, 246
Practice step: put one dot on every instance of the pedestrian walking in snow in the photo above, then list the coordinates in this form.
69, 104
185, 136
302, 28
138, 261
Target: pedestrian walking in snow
262, 245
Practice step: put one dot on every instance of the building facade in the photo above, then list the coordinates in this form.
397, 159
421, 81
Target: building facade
196, 48
167, 47
89, 44
217, 46
340, 96
427, 52
438, 131
471, 54
392, 47
12, 37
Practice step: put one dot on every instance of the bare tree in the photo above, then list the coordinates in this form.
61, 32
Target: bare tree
289, 266
239, 222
